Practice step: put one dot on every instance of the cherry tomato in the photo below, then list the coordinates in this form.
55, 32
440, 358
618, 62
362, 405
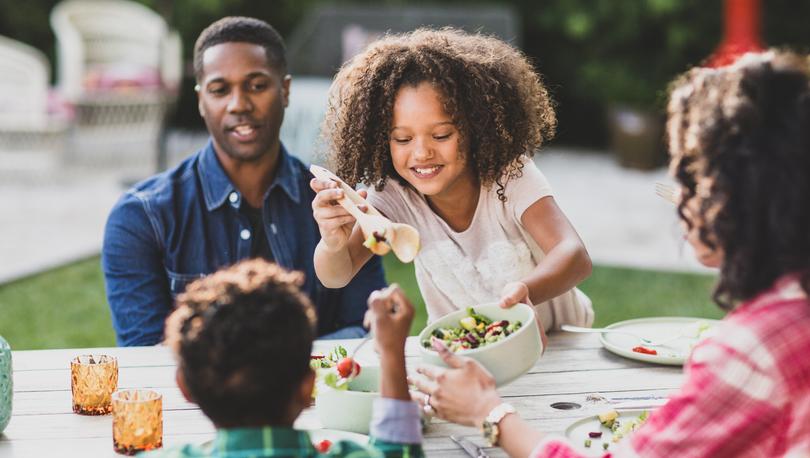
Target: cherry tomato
348, 367
323, 446
645, 350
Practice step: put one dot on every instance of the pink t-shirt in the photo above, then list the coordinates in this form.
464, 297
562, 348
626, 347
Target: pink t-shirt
456, 270
747, 389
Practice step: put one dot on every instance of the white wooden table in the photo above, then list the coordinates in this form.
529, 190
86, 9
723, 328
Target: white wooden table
43, 423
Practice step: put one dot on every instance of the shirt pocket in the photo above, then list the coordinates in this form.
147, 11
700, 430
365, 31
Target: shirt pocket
178, 281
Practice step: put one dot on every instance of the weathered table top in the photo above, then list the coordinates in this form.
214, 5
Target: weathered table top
43, 423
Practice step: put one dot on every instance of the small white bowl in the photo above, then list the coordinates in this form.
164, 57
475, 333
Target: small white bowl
349, 410
506, 359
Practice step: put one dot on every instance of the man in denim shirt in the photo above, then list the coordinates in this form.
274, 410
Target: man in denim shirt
243, 195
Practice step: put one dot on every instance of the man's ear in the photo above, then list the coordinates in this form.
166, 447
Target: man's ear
197, 90
285, 89
181, 383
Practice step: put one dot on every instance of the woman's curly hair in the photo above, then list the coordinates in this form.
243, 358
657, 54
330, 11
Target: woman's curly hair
491, 91
243, 337
739, 138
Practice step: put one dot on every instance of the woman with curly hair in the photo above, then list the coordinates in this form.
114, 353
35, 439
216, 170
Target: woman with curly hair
442, 125
740, 143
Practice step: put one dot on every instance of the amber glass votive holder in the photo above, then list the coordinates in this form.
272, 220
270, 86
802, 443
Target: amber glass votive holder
93, 379
137, 421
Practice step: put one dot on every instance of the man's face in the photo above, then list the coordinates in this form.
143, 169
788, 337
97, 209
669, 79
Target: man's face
242, 100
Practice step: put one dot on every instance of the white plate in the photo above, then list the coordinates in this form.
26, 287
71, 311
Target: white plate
578, 431
673, 353
334, 435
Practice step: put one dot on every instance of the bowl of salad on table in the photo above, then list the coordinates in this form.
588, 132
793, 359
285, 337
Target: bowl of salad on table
505, 341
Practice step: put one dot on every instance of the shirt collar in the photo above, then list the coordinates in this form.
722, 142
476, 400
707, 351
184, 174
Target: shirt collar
217, 186
258, 441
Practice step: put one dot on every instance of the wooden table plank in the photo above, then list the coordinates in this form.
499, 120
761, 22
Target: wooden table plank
573, 367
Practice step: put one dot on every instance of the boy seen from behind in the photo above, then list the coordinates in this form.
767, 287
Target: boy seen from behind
243, 338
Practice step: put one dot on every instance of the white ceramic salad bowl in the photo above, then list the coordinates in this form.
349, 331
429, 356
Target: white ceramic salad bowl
350, 409
506, 359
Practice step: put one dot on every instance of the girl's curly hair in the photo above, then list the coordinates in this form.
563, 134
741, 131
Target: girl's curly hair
739, 138
491, 91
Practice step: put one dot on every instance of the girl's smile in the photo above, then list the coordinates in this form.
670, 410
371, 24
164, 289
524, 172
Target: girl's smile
425, 145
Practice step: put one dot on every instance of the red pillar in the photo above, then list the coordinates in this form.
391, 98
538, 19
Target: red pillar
741, 33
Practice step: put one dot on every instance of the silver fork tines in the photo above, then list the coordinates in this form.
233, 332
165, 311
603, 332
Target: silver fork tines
668, 192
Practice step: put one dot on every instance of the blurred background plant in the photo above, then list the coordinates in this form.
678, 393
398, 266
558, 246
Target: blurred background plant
592, 53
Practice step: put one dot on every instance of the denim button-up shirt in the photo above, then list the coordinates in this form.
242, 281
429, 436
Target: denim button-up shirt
185, 223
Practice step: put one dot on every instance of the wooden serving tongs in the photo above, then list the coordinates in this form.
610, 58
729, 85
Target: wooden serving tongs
381, 234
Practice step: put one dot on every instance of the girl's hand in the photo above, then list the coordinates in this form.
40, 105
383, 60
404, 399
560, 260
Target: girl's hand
334, 222
513, 293
517, 292
463, 394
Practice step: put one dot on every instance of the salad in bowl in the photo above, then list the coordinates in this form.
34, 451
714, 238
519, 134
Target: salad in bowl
505, 341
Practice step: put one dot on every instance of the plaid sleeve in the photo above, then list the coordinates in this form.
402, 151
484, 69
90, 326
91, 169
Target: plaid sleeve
392, 450
556, 447
732, 404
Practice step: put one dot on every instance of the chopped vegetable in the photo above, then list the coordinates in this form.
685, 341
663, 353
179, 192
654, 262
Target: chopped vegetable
329, 360
608, 418
645, 350
474, 331
628, 426
377, 243
605, 445
334, 380
348, 368
595, 434
587, 442
323, 446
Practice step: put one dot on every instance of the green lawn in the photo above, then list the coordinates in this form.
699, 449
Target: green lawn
66, 307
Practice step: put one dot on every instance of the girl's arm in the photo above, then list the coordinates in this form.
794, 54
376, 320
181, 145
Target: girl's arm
340, 254
566, 263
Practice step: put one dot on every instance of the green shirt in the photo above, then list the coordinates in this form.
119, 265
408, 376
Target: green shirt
282, 442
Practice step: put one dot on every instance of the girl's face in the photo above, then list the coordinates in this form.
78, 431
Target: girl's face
425, 144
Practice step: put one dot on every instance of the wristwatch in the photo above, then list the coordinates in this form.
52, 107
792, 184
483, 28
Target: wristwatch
490, 426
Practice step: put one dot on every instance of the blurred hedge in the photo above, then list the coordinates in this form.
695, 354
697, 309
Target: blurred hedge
590, 51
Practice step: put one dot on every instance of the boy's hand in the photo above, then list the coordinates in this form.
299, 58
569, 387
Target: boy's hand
334, 222
389, 316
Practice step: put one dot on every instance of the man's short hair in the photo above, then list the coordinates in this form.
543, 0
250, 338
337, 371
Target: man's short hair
238, 29
243, 338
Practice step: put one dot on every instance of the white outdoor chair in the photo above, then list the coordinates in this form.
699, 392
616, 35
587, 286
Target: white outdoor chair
25, 124
120, 66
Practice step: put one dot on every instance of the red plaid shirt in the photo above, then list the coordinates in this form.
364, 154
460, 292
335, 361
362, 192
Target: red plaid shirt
746, 394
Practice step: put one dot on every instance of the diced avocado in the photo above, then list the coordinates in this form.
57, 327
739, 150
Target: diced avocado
468, 323
370, 242
607, 418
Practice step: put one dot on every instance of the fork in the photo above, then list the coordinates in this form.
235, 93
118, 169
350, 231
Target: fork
644, 340
667, 192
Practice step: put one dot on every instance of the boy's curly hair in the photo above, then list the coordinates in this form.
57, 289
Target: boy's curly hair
739, 138
491, 91
243, 337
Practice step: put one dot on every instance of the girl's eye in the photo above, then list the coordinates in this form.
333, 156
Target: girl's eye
442, 137
402, 141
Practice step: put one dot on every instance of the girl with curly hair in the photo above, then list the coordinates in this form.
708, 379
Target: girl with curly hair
739, 138
441, 125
